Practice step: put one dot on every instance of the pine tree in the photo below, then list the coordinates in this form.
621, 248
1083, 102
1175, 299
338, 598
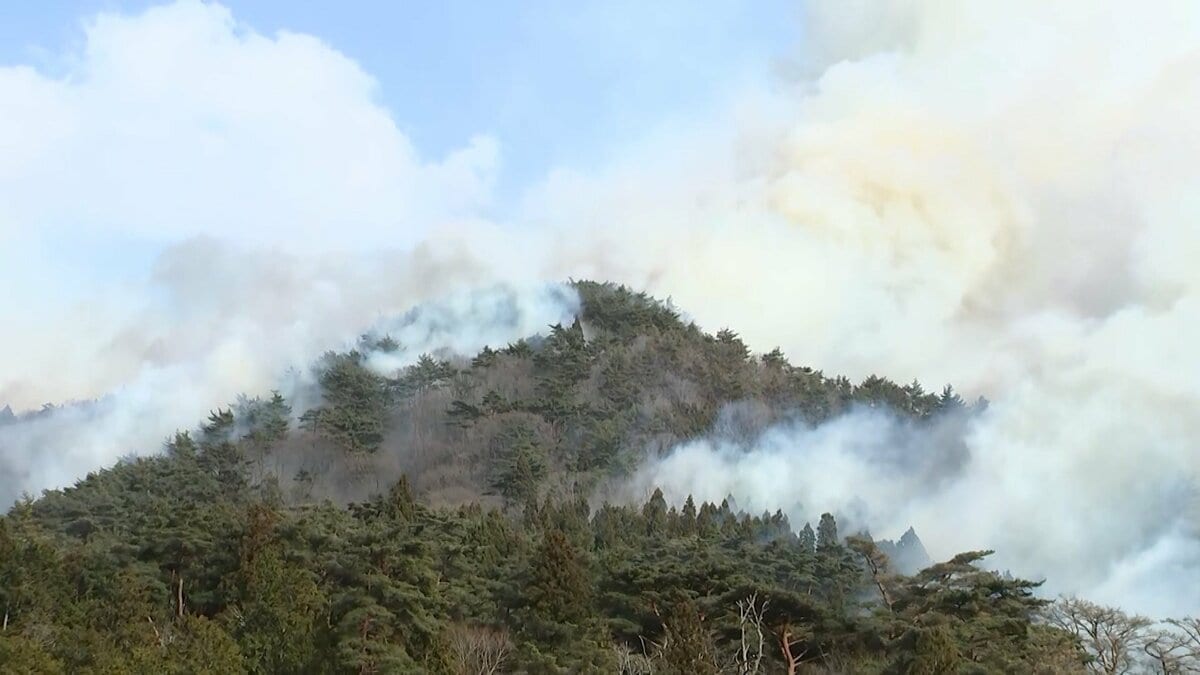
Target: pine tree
808, 539
688, 647
559, 591
827, 534
520, 469
935, 653
687, 517
655, 514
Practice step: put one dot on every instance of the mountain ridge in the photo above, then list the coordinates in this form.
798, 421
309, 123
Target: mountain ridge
453, 502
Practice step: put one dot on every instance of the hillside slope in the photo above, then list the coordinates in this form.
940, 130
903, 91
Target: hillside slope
444, 518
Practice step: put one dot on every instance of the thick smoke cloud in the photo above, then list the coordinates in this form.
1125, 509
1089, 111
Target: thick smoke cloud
999, 195
995, 194
869, 468
246, 323
881, 474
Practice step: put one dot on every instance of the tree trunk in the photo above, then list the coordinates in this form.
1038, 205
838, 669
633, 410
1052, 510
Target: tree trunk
179, 597
785, 643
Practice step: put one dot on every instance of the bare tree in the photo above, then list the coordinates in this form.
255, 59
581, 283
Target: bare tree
1189, 629
1109, 636
478, 650
753, 639
1168, 649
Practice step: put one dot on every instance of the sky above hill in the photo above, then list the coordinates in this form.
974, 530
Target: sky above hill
542, 85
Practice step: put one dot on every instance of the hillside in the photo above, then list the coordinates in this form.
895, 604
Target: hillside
448, 517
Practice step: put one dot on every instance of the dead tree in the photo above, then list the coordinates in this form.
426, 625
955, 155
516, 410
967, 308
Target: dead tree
478, 650
753, 640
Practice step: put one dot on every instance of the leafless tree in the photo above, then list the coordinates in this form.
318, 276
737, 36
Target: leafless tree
753, 639
1189, 629
1110, 637
1187, 634
1168, 649
478, 650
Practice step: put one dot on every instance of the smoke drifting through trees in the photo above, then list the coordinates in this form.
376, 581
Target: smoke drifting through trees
57, 445
1029, 239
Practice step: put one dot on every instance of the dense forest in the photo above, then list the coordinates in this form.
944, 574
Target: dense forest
450, 517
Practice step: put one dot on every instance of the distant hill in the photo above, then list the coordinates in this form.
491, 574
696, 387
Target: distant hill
440, 518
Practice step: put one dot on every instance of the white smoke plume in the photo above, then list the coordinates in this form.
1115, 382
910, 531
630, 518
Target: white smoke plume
995, 194
245, 323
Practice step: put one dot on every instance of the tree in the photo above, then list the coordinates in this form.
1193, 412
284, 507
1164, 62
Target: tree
687, 517
876, 563
808, 539
752, 638
520, 468
19, 654
365, 646
355, 404
1189, 629
201, 648
936, 653
1109, 636
478, 650
555, 613
687, 647
1168, 649
275, 615
791, 639
558, 592
655, 513
827, 534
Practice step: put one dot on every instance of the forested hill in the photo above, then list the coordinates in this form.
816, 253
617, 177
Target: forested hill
443, 518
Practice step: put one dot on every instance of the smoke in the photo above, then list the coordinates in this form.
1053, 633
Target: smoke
995, 194
227, 322
880, 473
859, 465
466, 322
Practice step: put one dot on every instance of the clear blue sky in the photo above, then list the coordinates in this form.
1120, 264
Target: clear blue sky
558, 83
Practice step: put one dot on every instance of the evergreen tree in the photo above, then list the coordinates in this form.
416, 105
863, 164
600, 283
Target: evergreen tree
688, 647
808, 539
827, 534
655, 514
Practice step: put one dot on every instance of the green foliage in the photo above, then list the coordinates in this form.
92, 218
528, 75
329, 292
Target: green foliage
688, 647
263, 421
204, 560
426, 373
827, 534
382, 585
355, 407
273, 605
520, 466
19, 654
935, 653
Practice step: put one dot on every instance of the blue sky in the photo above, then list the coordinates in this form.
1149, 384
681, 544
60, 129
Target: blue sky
555, 83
